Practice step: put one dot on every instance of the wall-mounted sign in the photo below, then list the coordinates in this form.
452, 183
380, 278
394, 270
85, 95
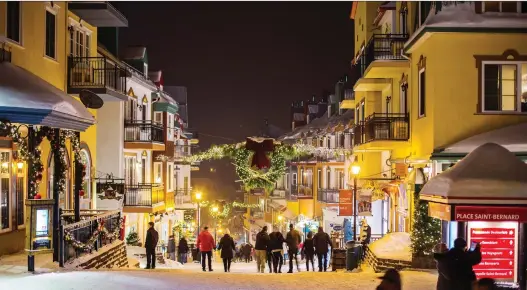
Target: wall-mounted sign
496, 214
440, 211
401, 169
364, 206
345, 202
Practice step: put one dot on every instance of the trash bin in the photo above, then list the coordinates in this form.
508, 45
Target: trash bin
353, 255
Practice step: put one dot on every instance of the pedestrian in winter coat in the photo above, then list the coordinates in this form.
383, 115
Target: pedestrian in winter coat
227, 247
293, 240
182, 249
171, 249
457, 265
262, 242
206, 244
276, 246
152, 237
308, 250
246, 252
321, 242
443, 280
390, 281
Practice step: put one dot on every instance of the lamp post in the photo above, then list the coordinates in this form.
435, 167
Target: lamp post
355, 170
198, 199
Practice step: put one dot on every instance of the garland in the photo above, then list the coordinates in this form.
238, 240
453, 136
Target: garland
100, 231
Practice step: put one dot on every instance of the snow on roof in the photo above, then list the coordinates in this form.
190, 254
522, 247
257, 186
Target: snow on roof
488, 172
155, 76
393, 246
134, 53
463, 15
513, 138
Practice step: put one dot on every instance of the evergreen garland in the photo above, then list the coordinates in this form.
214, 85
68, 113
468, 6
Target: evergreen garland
426, 231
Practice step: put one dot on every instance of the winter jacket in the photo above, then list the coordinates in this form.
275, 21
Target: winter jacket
455, 268
246, 249
262, 241
293, 240
205, 242
309, 247
321, 242
171, 246
152, 237
226, 246
276, 241
182, 248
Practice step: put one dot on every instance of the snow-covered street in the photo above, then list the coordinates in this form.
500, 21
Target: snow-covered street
242, 276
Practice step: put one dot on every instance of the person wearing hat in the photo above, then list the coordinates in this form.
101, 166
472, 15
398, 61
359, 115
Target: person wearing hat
391, 280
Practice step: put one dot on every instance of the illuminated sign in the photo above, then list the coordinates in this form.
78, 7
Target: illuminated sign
345, 202
497, 214
499, 249
439, 211
42, 223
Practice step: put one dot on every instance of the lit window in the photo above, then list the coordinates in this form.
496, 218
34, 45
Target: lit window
422, 93
502, 92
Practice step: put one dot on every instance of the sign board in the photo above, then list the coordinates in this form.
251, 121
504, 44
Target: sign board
364, 206
499, 249
401, 169
494, 214
440, 211
345, 202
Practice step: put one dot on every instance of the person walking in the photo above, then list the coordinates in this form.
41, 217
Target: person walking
443, 280
390, 281
308, 250
152, 237
171, 248
262, 242
293, 240
276, 246
227, 247
458, 263
206, 244
182, 250
246, 252
322, 242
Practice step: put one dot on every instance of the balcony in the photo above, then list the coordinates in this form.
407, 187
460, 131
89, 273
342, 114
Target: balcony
144, 197
139, 134
327, 195
292, 193
98, 75
278, 193
382, 127
305, 191
98, 13
384, 48
184, 198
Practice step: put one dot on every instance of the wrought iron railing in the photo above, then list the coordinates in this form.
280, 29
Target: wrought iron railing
328, 195
84, 237
380, 47
183, 196
387, 126
96, 73
143, 131
144, 194
305, 190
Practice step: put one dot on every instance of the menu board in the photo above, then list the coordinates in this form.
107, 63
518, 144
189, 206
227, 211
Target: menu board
499, 250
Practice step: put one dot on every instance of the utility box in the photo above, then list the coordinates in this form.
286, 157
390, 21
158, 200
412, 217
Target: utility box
39, 228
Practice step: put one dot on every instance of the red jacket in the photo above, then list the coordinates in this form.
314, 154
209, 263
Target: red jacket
205, 242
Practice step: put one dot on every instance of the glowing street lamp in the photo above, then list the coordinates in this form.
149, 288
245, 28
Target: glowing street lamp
215, 209
355, 170
198, 199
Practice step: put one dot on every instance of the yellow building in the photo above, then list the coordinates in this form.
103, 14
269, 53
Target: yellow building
428, 79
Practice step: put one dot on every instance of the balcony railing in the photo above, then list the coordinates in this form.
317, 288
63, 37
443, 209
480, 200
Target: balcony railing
386, 126
95, 73
183, 196
305, 191
328, 195
143, 131
381, 47
144, 194
278, 193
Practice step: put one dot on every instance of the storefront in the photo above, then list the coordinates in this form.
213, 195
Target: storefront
483, 199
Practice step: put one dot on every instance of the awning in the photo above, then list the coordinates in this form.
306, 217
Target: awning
28, 99
288, 214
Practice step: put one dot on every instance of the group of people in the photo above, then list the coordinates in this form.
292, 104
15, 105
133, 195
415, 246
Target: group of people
270, 249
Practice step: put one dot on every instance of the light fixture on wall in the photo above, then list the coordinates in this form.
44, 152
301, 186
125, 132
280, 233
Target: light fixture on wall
426, 169
5, 165
410, 168
20, 165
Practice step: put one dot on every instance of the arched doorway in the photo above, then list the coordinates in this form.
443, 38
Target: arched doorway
86, 199
64, 197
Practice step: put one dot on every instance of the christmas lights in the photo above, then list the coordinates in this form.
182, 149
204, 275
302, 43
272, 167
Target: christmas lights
426, 231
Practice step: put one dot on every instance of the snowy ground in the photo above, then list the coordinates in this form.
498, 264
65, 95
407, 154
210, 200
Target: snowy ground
242, 276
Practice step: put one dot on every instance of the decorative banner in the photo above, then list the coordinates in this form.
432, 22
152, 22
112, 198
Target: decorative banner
345, 202
364, 206
497, 214
439, 211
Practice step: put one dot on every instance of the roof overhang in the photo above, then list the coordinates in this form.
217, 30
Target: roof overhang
98, 13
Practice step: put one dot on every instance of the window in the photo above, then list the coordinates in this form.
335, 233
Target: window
130, 165
302, 178
51, 31
158, 171
404, 97
362, 111
143, 111
158, 118
87, 46
504, 87
403, 16
319, 178
170, 177
131, 110
5, 202
422, 93
20, 194
143, 170
80, 41
424, 10
170, 127
13, 21
341, 180
504, 6
294, 179
185, 184
328, 178
86, 185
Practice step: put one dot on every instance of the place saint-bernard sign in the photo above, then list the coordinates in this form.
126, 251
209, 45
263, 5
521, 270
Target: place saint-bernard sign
491, 214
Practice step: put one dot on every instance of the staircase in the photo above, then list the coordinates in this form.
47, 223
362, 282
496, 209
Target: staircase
381, 265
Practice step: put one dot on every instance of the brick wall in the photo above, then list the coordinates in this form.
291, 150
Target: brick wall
381, 265
109, 256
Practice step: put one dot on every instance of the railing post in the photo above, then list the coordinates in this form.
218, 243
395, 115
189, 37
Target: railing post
61, 246
104, 71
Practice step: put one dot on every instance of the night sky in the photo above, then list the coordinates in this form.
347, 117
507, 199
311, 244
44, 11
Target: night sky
242, 62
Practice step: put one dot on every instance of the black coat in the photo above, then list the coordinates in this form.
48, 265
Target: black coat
182, 248
455, 268
262, 241
309, 247
322, 242
246, 249
226, 246
276, 241
152, 237
171, 248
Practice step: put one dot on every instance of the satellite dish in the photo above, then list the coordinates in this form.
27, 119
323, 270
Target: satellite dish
90, 99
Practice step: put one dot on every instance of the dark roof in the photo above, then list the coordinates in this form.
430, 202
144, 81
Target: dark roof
179, 94
271, 131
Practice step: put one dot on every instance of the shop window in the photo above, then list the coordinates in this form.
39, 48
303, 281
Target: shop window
422, 93
5, 201
51, 31
13, 23
504, 87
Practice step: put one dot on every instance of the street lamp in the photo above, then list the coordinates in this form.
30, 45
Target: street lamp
355, 170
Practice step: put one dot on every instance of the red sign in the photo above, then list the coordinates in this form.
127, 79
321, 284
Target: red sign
494, 214
498, 251
345, 202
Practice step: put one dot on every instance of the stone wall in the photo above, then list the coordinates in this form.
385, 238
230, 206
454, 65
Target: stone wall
381, 265
109, 256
